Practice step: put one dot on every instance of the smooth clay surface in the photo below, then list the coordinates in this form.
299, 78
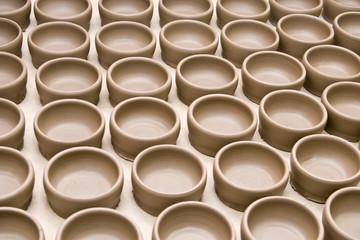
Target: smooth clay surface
333, 8
347, 30
11, 37
17, 10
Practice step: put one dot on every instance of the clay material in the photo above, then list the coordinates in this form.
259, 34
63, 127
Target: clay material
17, 10
347, 31
333, 8
11, 37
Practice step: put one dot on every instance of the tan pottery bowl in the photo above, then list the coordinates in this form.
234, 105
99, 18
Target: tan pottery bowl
17, 10
11, 37
333, 8
347, 30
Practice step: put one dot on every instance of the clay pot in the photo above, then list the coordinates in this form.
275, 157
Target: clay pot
346, 34
17, 10
332, 8
11, 37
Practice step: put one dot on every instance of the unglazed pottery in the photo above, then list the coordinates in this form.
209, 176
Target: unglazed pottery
12, 125
347, 30
327, 64
193, 220
69, 174
99, 223
285, 116
202, 74
230, 10
16, 10
182, 38
299, 32
267, 71
171, 10
67, 77
241, 38
280, 218
333, 8
11, 36
127, 10
142, 122
218, 119
18, 224
246, 171
342, 102
13, 78
341, 214
57, 39
135, 77
16, 179
123, 39
68, 123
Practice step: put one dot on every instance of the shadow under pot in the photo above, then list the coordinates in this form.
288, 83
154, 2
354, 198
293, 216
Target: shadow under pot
142, 122
68, 123
333, 8
347, 34
11, 37
216, 120
16, 10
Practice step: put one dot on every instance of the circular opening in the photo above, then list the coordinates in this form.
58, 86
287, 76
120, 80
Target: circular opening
8, 32
349, 24
10, 117
11, 5
62, 9
10, 69
126, 6
187, 7
244, 7
299, 5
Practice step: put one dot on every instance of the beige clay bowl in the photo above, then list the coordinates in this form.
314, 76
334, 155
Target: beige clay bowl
57, 39
16, 10
68, 123
135, 77
163, 175
142, 122
280, 218
322, 164
241, 38
202, 74
140, 11
182, 38
11, 37
16, 179
347, 30
13, 79
192, 219
333, 8
68, 78
267, 71
218, 119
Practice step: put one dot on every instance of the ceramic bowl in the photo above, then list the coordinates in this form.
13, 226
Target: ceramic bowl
68, 123
216, 120
182, 38
281, 8
246, 171
241, 38
57, 39
18, 224
142, 122
12, 125
299, 32
68, 78
341, 214
280, 218
16, 179
192, 219
321, 164
347, 31
98, 222
200, 75
327, 64
129, 10
171, 10
13, 72
69, 174
231, 10
123, 39
285, 116
17, 10
333, 8
267, 71
342, 102
136, 77
11, 37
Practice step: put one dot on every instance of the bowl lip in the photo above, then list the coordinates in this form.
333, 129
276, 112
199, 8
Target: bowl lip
118, 131
330, 108
70, 101
245, 70
118, 184
44, 67
148, 10
328, 47
174, 148
204, 207
342, 6
217, 169
168, 11
18, 11
196, 23
23, 74
297, 93
149, 61
135, 26
14, 25
223, 97
341, 30
275, 4
92, 211
20, 124
265, 3
208, 58
71, 26
299, 168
